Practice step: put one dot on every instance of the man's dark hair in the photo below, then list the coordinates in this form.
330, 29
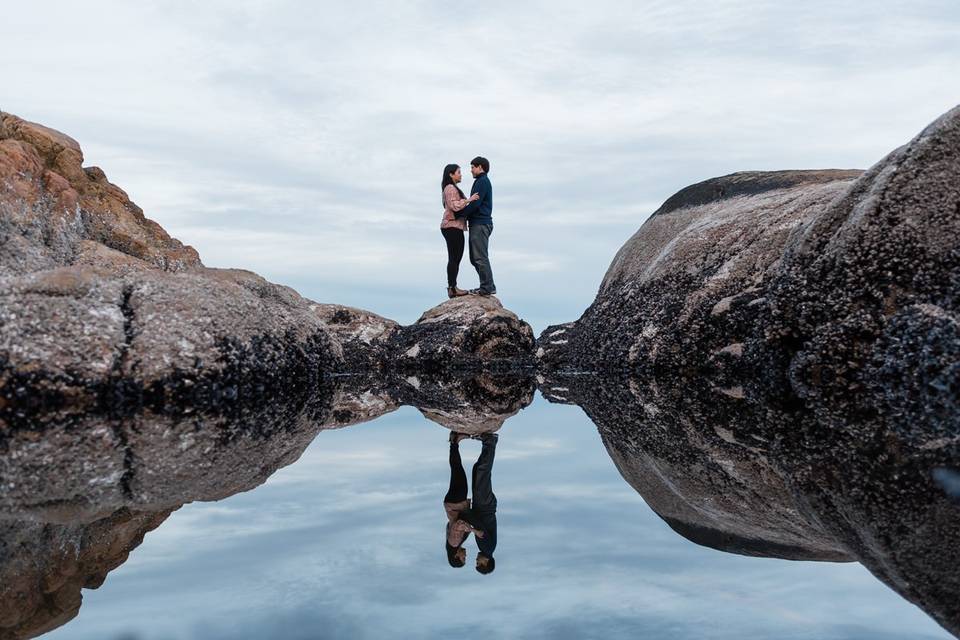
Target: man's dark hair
481, 162
452, 558
489, 567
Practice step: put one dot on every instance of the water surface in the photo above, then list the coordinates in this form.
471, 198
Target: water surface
348, 543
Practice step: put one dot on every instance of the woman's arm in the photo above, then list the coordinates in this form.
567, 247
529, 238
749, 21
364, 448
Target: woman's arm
452, 200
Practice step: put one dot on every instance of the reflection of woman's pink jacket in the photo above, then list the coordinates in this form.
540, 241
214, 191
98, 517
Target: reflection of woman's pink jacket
452, 203
457, 529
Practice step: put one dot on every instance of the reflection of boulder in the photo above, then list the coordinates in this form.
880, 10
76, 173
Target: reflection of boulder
81, 489
79, 467
758, 477
469, 404
44, 566
699, 461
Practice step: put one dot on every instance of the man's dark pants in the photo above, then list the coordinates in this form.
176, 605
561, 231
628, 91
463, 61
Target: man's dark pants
479, 241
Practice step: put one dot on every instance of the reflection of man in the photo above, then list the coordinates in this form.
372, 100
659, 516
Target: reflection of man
480, 518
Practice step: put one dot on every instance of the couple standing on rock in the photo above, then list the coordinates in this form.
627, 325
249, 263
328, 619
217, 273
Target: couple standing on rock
477, 210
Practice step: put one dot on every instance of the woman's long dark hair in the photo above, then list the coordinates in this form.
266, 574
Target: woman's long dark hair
447, 170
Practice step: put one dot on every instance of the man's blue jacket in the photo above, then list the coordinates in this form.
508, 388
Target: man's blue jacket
481, 211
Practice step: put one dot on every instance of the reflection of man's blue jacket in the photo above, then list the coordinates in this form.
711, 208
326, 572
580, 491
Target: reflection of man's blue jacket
485, 519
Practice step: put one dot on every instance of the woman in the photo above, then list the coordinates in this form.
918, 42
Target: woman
455, 504
452, 227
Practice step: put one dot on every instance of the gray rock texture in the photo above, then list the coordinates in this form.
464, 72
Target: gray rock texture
465, 334
675, 292
97, 301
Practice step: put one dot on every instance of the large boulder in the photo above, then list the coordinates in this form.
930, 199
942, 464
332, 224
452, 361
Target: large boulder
691, 280
98, 303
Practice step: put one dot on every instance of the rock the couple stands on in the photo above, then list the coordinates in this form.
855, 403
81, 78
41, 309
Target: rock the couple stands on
460, 211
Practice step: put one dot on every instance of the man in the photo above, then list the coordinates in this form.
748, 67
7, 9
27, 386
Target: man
480, 517
480, 216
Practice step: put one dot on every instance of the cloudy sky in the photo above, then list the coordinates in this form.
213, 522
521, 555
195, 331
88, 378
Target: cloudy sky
305, 141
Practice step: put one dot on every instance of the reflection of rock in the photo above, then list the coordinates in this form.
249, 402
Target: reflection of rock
469, 333
78, 467
96, 300
698, 463
44, 566
471, 404
79, 490
767, 478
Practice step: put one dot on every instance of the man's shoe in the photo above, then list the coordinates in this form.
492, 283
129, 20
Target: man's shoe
454, 292
479, 292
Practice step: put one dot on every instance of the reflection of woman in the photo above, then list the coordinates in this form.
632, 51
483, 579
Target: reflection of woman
452, 227
481, 519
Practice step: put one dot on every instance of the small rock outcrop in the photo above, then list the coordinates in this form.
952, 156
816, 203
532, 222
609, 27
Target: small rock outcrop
469, 333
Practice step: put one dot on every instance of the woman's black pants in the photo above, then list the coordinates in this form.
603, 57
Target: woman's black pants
454, 238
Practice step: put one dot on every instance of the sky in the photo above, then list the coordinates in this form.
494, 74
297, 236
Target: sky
306, 141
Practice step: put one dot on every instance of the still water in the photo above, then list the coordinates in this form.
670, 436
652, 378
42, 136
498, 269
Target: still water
348, 542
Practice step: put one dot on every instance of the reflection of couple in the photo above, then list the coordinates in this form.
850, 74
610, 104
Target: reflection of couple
458, 210
464, 518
